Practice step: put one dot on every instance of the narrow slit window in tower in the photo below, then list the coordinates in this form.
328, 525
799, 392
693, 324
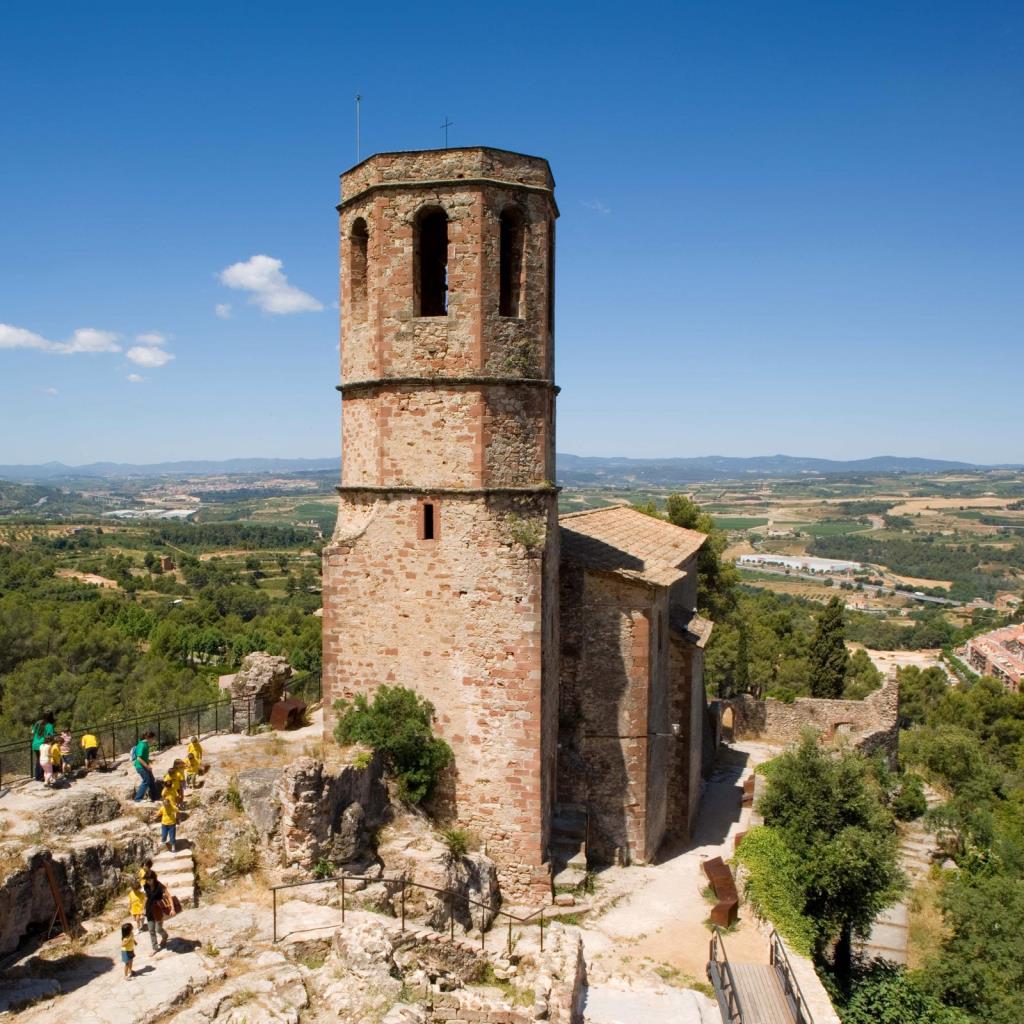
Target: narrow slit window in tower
427, 521
359, 246
510, 262
430, 257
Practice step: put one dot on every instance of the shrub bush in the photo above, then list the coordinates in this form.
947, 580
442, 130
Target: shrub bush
398, 724
773, 886
457, 841
909, 802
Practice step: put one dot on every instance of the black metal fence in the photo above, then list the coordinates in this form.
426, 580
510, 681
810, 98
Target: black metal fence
399, 887
172, 727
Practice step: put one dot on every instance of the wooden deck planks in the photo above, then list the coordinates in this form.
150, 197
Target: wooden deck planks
762, 1000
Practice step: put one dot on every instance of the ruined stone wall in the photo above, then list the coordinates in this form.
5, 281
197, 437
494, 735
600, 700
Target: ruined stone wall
460, 620
870, 724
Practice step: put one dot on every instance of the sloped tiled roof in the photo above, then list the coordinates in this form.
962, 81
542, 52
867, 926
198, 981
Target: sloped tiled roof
629, 543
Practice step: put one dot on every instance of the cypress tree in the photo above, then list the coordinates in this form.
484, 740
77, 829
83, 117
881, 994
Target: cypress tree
828, 652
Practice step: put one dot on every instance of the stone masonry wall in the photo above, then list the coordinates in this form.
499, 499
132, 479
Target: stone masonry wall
871, 724
456, 410
603, 713
687, 707
460, 620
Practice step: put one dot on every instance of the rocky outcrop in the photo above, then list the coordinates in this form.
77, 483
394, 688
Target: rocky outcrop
310, 811
81, 807
257, 687
412, 849
87, 875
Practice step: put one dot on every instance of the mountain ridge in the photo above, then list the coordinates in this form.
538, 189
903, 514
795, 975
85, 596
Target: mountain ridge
571, 468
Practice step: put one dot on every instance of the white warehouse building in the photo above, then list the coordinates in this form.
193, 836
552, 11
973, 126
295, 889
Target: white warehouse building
799, 563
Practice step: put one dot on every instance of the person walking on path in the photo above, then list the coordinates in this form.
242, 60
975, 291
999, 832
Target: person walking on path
144, 766
168, 818
90, 748
155, 893
127, 949
42, 732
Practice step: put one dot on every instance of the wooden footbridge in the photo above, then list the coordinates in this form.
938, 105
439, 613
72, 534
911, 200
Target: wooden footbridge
756, 993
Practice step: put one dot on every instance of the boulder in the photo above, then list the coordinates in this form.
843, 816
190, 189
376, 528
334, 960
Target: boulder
260, 802
365, 949
257, 687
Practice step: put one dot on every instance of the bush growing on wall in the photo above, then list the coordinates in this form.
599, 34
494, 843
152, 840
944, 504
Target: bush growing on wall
398, 724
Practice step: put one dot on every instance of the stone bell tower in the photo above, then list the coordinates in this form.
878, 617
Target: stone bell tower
442, 575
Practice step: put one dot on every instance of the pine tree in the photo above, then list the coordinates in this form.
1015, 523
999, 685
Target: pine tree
828, 652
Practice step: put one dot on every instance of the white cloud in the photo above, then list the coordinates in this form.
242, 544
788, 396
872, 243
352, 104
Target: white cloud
136, 378
597, 206
85, 339
49, 391
262, 275
148, 355
223, 310
151, 338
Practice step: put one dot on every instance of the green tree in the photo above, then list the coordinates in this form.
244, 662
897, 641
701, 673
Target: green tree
885, 993
830, 813
828, 652
398, 725
861, 676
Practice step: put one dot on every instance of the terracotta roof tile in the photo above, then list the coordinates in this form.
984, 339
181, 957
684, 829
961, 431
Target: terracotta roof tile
629, 543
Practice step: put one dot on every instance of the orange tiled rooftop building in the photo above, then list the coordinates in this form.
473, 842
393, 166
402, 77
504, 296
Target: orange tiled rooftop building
564, 657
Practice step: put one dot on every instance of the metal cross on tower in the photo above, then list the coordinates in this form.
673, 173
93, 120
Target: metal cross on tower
444, 128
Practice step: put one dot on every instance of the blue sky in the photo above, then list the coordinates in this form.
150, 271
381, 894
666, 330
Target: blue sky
787, 227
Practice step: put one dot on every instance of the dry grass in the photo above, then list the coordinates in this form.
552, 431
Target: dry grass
927, 929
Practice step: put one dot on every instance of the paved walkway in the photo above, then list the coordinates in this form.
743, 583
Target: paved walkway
679, 1006
662, 914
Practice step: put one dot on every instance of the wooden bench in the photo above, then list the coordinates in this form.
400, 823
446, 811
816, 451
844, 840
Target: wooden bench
726, 910
748, 791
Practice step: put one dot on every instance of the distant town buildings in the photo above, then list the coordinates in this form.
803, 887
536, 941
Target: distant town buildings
999, 653
798, 563
150, 513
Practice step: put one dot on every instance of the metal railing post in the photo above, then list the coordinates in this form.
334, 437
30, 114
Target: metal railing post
216, 717
542, 929
451, 916
403, 903
342, 899
510, 935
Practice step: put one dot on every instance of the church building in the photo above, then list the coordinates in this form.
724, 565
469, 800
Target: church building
563, 656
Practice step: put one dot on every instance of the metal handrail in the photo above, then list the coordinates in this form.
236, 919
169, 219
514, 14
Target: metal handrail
109, 730
733, 1007
779, 959
406, 883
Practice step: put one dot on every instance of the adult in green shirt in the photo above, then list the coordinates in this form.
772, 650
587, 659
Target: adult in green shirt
145, 769
42, 732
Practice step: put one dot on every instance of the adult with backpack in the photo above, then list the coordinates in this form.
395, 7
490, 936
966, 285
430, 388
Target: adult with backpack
157, 899
42, 733
141, 758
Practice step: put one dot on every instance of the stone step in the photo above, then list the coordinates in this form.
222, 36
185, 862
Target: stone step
569, 878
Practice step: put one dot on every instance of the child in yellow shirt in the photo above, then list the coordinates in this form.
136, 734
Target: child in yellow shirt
127, 949
168, 818
137, 903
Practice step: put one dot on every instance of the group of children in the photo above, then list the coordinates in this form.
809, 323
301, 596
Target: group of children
182, 773
149, 903
53, 751
148, 900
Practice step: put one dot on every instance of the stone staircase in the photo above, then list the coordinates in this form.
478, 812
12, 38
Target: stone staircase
177, 871
567, 848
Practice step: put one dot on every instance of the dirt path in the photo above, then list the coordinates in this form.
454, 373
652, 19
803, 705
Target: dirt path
662, 910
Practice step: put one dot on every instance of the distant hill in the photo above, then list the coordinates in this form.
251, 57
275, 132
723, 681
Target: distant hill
194, 467
581, 470
572, 469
